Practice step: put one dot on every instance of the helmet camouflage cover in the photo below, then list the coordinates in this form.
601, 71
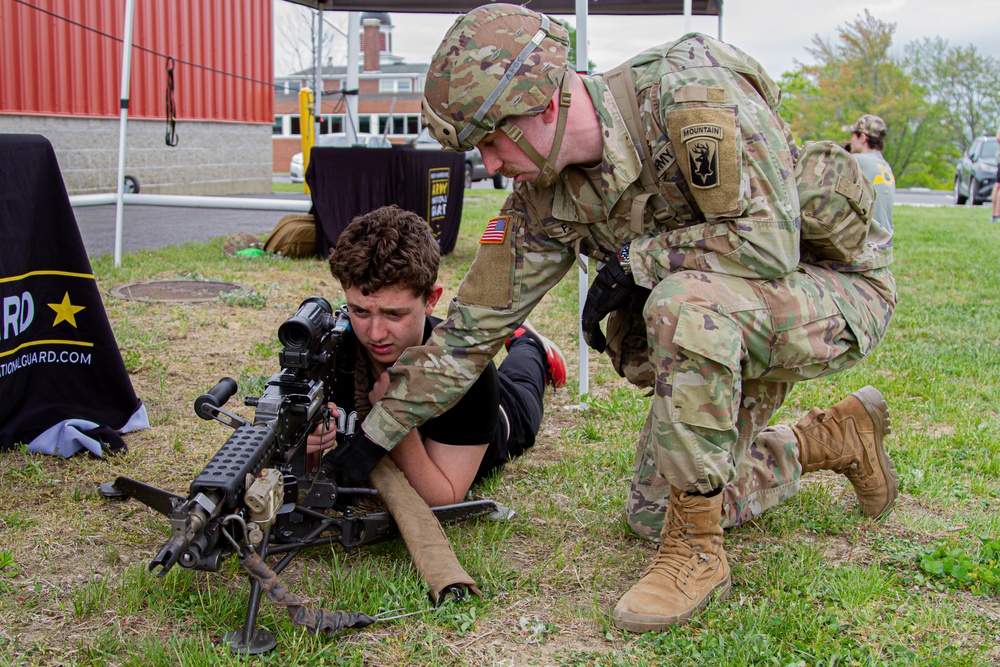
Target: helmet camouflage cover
498, 60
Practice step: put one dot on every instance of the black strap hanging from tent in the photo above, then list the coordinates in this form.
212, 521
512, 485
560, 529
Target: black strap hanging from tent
171, 137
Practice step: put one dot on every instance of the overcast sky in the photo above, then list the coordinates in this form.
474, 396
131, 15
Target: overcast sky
775, 32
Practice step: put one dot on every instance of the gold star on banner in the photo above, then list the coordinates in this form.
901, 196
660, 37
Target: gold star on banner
65, 311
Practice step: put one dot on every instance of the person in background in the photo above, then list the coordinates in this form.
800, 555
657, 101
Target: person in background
866, 143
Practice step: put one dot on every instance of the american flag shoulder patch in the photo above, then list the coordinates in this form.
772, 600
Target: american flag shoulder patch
496, 231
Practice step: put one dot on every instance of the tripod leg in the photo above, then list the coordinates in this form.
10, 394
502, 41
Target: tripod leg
249, 639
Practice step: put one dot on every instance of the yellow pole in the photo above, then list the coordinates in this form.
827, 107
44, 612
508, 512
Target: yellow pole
307, 128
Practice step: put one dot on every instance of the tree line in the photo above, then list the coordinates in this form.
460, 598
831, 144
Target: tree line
935, 98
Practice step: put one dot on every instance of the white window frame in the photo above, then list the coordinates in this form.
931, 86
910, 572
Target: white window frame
395, 85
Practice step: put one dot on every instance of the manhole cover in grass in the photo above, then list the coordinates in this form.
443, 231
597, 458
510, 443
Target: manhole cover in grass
178, 290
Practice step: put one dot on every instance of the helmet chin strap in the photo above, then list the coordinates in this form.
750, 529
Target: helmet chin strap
547, 175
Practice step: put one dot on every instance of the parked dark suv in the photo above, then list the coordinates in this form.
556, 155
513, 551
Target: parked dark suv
976, 172
474, 169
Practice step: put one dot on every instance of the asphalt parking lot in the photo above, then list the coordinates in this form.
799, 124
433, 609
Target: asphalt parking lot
147, 227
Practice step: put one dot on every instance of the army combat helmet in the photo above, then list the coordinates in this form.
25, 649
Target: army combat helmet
497, 61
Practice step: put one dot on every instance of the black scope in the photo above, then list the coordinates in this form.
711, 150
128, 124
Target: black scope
307, 326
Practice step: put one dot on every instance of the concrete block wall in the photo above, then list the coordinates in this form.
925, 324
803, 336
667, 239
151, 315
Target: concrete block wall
210, 158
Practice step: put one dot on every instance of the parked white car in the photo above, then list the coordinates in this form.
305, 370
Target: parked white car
338, 139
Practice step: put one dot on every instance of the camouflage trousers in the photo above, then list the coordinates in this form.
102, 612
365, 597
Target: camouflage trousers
725, 352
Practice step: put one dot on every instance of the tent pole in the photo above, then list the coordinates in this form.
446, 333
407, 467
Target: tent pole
122, 126
318, 75
687, 16
353, 52
582, 283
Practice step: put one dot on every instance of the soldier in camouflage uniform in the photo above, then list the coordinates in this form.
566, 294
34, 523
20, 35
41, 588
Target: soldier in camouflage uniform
710, 304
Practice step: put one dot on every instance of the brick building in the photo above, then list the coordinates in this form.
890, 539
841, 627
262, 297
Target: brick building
388, 98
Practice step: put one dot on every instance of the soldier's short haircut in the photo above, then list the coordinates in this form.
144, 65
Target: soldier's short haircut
387, 247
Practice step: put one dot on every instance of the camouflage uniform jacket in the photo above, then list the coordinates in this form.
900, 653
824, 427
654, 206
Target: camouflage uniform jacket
724, 163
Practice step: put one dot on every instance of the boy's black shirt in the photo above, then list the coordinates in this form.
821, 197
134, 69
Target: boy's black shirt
473, 420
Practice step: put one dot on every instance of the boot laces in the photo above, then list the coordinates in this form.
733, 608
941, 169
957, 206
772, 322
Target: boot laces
858, 476
676, 557
674, 565
849, 469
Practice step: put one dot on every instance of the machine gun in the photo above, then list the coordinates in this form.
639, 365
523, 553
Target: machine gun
256, 498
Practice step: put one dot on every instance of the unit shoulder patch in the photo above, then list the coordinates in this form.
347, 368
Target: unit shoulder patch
702, 144
706, 143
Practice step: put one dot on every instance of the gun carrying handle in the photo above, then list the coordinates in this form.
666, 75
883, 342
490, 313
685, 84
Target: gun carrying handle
206, 405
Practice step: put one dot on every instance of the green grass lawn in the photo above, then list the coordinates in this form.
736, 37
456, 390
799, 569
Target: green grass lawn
815, 583
289, 187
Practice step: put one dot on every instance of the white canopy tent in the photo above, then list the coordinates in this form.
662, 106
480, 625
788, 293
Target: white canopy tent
581, 9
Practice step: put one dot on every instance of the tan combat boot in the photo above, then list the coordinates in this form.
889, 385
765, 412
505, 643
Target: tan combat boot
847, 439
688, 570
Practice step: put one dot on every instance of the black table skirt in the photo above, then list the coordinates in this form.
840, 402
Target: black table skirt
347, 182
58, 356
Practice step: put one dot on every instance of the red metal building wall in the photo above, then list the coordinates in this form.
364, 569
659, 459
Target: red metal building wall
60, 58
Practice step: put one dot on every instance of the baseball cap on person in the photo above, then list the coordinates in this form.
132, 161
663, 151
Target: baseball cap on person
869, 124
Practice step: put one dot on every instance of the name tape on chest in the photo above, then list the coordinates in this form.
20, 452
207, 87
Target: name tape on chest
663, 160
